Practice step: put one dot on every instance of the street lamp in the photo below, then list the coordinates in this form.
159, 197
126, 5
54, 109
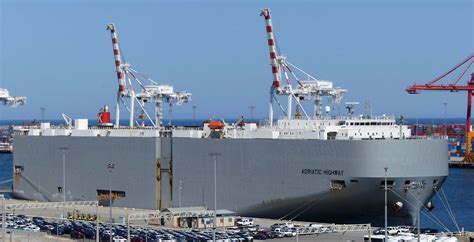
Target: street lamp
64, 149
194, 114
179, 193
110, 167
215, 154
4, 224
385, 185
42, 113
445, 118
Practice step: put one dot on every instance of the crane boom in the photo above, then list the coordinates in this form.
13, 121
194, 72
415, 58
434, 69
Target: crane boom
118, 58
454, 87
271, 46
13, 101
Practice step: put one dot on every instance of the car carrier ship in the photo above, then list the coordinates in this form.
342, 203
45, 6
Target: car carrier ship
317, 166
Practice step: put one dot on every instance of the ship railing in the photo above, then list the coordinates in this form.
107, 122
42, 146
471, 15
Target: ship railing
183, 128
333, 228
354, 117
434, 137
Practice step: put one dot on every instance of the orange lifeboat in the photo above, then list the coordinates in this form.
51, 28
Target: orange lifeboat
216, 124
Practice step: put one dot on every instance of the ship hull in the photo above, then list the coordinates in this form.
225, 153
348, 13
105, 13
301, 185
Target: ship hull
313, 180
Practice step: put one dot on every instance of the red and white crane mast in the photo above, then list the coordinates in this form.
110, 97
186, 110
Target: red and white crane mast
149, 93
305, 89
273, 60
119, 68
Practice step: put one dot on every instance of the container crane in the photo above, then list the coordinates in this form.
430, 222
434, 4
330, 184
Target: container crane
436, 85
12, 101
306, 89
149, 93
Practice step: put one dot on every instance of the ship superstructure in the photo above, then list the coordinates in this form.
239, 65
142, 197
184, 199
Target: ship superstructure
316, 167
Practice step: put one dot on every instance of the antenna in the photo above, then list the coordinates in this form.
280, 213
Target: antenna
351, 107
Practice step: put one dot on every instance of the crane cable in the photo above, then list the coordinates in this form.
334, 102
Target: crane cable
438, 222
464, 72
448, 208
450, 71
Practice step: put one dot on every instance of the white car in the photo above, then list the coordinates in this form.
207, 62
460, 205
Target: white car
33, 228
245, 222
119, 239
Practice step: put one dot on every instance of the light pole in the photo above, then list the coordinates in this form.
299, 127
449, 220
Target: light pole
418, 215
385, 185
42, 113
64, 149
445, 118
251, 111
4, 231
179, 193
170, 114
110, 167
194, 114
214, 155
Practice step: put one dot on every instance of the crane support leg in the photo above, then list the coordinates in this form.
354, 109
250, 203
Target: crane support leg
468, 122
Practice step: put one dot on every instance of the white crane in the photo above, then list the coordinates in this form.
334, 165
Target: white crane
149, 93
309, 89
12, 101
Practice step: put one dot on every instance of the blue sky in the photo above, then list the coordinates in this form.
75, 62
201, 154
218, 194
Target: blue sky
59, 55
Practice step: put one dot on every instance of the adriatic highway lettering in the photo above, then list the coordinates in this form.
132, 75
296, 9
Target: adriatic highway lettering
322, 172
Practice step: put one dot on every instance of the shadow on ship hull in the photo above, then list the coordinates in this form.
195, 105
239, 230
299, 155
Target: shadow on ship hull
359, 202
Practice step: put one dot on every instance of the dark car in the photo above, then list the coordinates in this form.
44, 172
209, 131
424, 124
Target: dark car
260, 236
58, 230
77, 235
89, 233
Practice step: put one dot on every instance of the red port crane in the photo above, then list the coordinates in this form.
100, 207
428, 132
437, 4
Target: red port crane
436, 85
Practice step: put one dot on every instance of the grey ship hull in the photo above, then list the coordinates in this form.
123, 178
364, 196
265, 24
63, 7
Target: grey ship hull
288, 179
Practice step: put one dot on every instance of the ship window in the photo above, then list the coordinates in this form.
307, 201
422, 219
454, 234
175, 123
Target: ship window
390, 184
407, 182
337, 184
60, 189
19, 169
354, 180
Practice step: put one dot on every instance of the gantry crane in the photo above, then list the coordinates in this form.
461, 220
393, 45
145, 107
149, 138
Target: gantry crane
149, 93
12, 101
306, 89
436, 85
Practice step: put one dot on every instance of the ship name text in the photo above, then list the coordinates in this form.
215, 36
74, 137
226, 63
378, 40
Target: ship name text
308, 171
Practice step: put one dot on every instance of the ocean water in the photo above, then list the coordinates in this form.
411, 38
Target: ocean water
458, 188
459, 191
